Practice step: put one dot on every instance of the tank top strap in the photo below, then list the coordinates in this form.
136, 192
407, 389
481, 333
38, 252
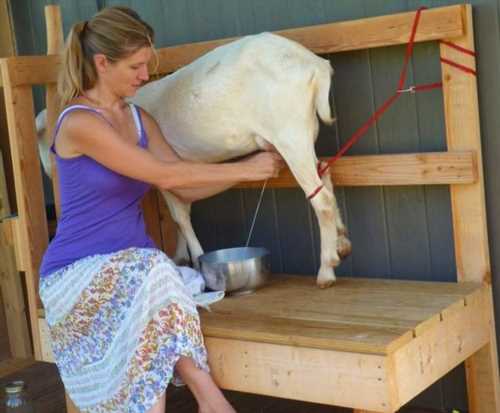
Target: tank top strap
136, 112
68, 110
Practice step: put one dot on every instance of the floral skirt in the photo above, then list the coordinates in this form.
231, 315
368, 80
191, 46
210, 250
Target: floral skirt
118, 325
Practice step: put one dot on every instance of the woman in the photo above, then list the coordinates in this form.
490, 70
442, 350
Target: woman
122, 323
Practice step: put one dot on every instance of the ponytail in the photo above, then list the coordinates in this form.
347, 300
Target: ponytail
77, 74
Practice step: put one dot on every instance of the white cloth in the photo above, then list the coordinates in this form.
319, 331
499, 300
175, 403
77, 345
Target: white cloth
195, 283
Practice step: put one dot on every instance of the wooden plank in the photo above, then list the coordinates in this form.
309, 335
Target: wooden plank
7, 37
462, 331
70, 406
312, 375
13, 299
55, 42
12, 365
482, 369
7, 48
29, 190
434, 168
4, 195
468, 207
11, 229
463, 133
380, 31
47, 354
347, 336
343, 36
369, 316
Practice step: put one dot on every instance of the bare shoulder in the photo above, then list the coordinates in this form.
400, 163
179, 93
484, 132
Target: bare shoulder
82, 120
79, 129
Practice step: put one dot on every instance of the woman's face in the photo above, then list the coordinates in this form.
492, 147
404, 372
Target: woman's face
126, 75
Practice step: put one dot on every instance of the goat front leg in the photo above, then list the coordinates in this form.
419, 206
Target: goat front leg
181, 214
344, 247
302, 161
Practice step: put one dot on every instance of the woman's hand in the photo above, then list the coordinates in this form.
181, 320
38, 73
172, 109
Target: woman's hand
264, 165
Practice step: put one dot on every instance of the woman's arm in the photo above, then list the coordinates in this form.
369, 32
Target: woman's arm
87, 134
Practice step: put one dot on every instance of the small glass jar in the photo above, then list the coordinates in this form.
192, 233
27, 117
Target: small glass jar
16, 400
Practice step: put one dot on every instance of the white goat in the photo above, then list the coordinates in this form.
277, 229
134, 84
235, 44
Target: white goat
244, 96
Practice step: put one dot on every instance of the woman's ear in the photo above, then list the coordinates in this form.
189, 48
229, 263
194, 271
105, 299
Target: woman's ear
100, 62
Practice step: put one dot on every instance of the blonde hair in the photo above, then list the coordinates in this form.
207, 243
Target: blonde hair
116, 32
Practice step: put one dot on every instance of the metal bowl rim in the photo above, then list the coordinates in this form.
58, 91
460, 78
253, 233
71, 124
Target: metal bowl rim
225, 255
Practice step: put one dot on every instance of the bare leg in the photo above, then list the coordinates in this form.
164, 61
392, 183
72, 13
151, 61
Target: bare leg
159, 407
209, 397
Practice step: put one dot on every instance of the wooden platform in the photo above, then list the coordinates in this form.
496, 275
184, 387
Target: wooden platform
390, 338
371, 344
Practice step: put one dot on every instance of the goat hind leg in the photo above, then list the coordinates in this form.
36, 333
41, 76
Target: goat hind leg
302, 161
344, 247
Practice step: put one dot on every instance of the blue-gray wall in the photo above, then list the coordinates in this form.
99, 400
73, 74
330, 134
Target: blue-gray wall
397, 232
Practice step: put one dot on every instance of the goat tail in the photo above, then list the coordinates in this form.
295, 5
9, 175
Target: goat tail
323, 84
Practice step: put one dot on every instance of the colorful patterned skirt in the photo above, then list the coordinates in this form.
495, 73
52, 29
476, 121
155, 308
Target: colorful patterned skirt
118, 324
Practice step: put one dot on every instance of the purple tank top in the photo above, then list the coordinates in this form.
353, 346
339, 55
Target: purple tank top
100, 209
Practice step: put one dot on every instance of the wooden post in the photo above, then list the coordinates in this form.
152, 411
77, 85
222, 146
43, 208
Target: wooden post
7, 48
468, 207
13, 297
55, 41
32, 235
70, 406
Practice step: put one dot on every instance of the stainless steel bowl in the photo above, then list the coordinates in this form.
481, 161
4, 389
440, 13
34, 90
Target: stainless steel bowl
236, 270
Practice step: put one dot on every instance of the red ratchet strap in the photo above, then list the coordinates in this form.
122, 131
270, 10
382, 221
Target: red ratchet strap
399, 91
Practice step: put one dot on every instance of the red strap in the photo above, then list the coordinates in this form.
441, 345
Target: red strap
402, 78
459, 48
409, 48
315, 192
352, 140
458, 66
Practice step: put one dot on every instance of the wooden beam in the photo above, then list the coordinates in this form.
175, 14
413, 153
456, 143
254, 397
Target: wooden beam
344, 36
55, 42
394, 29
11, 228
7, 48
318, 376
4, 194
469, 208
434, 168
7, 367
463, 330
13, 299
29, 188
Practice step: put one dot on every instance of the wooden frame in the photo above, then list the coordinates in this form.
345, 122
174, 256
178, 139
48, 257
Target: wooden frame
463, 322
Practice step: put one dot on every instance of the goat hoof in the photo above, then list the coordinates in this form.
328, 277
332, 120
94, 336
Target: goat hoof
344, 247
326, 278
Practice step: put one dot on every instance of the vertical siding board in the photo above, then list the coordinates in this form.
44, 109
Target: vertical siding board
365, 210
154, 14
398, 133
228, 219
177, 20
265, 230
432, 138
295, 232
22, 17
203, 220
